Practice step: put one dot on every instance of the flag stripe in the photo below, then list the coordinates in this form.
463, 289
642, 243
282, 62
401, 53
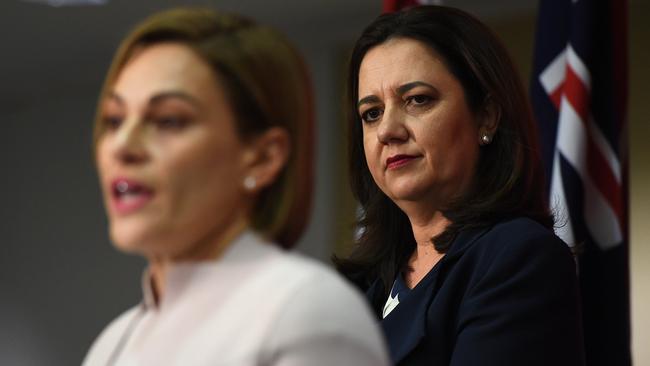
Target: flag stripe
576, 92
599, 172
598, 166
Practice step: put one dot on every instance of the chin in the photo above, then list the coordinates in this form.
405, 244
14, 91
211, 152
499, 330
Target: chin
132, 239
406, 193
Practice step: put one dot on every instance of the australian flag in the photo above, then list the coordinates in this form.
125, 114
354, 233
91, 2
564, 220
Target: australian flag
579, 95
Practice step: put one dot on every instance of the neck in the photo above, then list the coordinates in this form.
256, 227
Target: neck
424, 230
207, 250
425, 225
426, 222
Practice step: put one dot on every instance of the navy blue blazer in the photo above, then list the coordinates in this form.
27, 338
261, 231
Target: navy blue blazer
507, 295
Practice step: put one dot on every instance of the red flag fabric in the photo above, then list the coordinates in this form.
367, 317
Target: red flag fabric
390, 6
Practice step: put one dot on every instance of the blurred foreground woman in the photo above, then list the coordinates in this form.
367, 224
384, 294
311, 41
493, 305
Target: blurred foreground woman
457, 252
203, 144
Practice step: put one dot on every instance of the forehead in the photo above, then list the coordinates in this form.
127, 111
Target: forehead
164, 67
397, 61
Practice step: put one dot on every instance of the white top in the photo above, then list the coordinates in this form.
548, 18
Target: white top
256, 305
398, 293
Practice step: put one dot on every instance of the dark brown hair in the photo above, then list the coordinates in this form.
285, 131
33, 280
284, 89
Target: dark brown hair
508, 180
267, 84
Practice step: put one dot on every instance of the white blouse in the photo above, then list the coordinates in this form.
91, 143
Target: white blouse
256, 305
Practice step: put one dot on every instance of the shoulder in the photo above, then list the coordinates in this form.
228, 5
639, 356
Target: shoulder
522, 229
519, 298
109, 338
516, 257
319, 310
519, 238
515, 250
304, 278
295, 273
318, 292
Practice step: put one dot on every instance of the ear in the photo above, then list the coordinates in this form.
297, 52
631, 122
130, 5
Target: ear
489, 118
268, 155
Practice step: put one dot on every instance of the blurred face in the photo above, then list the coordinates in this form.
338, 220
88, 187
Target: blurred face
170, 161
420, 137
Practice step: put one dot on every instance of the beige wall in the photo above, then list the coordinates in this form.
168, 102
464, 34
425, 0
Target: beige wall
640, 178
518, 34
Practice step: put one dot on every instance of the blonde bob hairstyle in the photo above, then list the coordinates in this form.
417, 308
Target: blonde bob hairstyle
267, 85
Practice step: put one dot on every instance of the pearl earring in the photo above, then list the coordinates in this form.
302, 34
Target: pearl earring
250, 183
485, 139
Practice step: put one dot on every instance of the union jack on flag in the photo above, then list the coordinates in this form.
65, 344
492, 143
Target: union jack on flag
579, 95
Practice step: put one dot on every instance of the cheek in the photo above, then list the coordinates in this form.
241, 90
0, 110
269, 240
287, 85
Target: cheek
462, 153
102, 157
370, 152
199, 169
202, 187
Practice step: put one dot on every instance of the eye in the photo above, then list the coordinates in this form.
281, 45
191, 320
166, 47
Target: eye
371, 115
170, 122
112, 122
418, 100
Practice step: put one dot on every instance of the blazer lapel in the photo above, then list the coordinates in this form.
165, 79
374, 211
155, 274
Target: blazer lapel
405, 326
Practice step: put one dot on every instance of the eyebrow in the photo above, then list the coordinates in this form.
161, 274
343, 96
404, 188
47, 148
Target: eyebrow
408, 86
160, 97
402, 89
368, 100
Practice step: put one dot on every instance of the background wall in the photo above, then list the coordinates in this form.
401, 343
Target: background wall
639, 135
60, 279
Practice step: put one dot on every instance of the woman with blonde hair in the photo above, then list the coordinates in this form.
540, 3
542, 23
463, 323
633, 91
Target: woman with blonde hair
203, 143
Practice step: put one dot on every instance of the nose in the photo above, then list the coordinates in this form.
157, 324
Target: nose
391, 127
128, 143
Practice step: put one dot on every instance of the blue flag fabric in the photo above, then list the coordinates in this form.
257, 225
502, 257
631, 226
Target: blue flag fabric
579, 96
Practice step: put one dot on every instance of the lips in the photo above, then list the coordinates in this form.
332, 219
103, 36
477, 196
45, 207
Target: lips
399, 160
128, 195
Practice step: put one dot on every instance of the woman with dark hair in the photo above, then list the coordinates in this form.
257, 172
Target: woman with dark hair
456, 251
203, 142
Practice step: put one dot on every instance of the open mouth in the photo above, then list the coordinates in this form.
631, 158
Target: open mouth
129, 195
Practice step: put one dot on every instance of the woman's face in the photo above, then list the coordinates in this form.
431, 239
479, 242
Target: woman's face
170, 161
420, 137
